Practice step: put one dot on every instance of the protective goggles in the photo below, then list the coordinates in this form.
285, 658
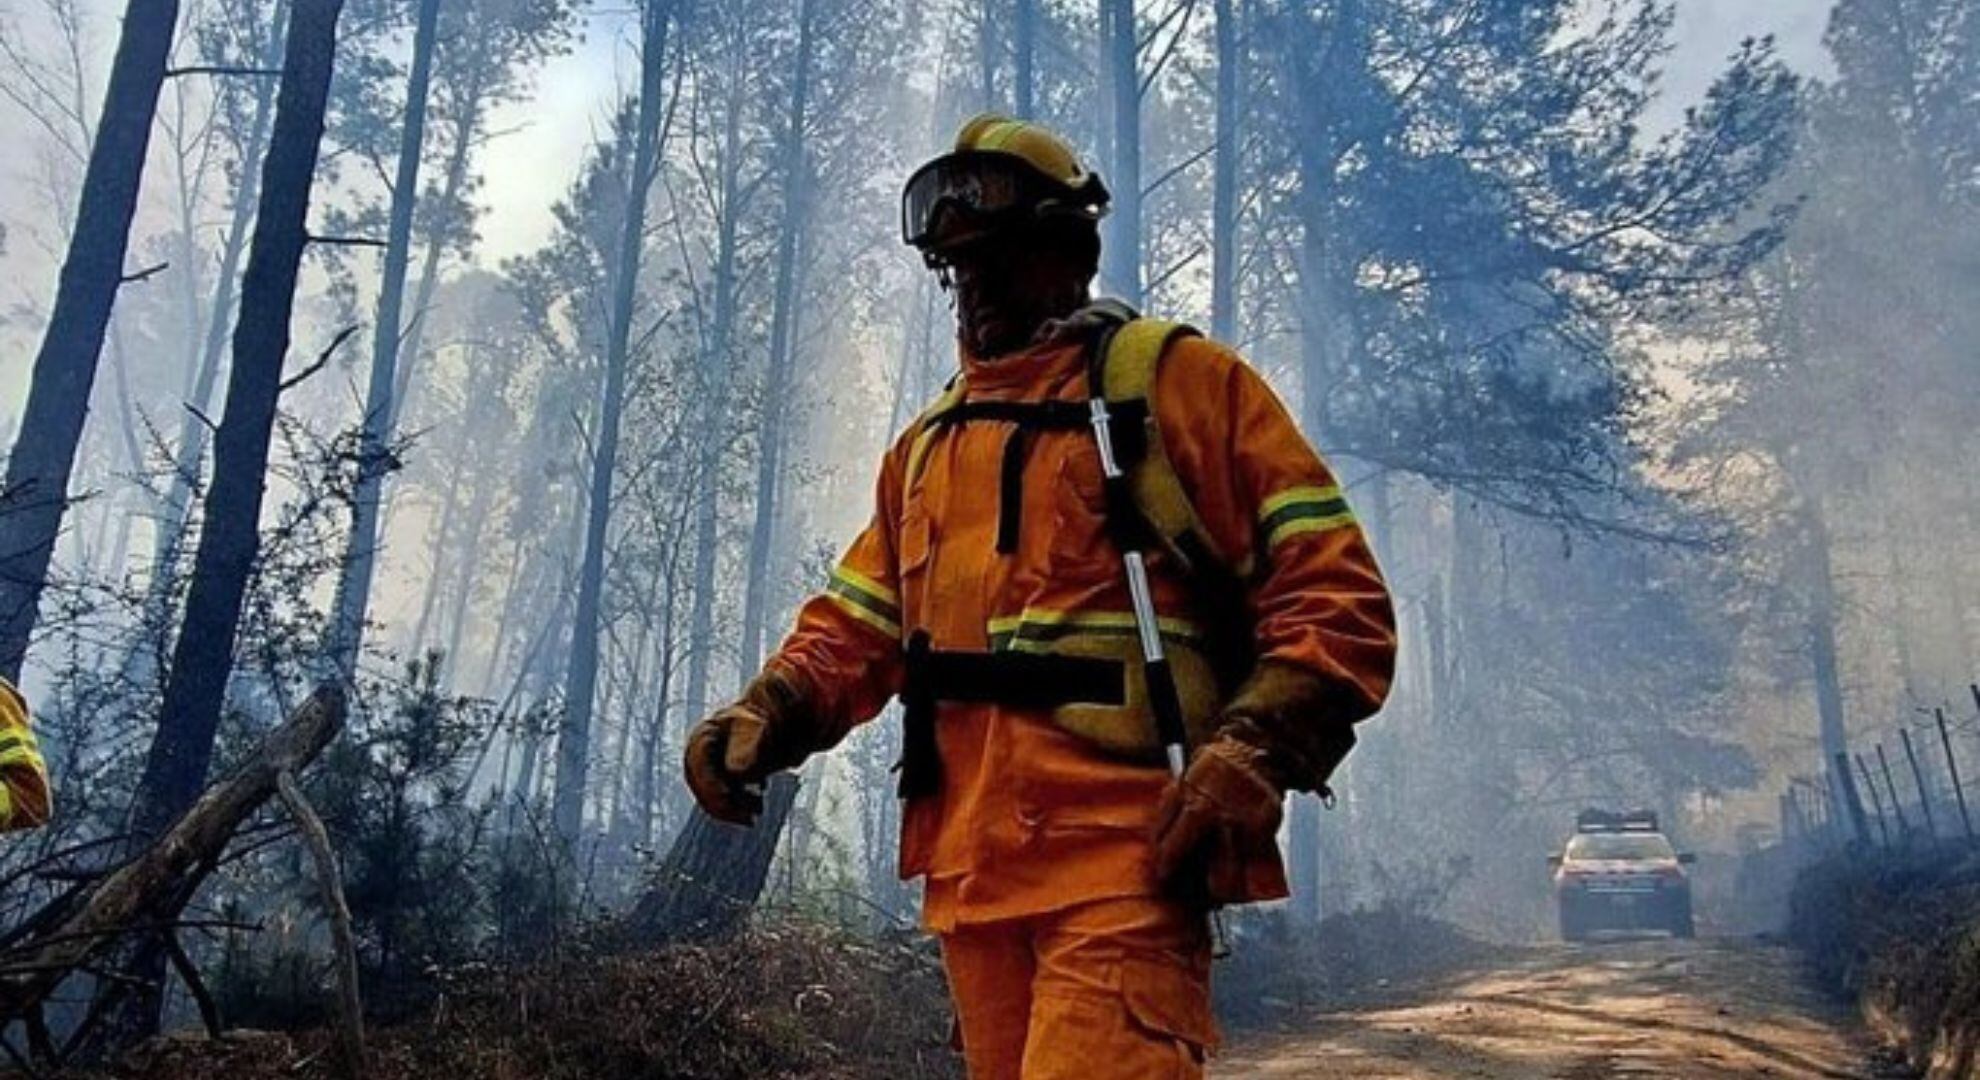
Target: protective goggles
985, 185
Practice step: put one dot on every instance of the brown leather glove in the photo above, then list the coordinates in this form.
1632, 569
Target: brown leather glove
730, 754
1219, 824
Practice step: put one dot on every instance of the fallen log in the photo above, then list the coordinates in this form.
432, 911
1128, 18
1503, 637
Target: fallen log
148, 890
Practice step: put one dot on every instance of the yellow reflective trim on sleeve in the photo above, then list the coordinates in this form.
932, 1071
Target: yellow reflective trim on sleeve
1297, 526
1299, 510
866, 600
868, 586
887, 626
6, 806
1292, 495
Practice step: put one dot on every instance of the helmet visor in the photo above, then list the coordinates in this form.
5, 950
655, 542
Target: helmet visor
978, 184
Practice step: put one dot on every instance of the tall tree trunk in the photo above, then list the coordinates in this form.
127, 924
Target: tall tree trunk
1024, 37
713, 873
466, 126
1833, 726
44, 453
182, 748
581, 685
515, 595
1224, 182
191, 447
707, 480
647, 793
437, 565
464, 569
986, 56
1122, 257
361, 548
1303, 856
770, 420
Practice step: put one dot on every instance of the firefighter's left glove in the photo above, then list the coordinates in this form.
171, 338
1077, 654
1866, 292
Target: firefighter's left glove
730, 754
1217, 822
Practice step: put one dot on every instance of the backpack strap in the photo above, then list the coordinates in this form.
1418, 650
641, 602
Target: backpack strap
1124, 374
1122, 369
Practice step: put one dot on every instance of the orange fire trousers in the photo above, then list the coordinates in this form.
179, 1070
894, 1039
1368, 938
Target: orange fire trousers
1115, 989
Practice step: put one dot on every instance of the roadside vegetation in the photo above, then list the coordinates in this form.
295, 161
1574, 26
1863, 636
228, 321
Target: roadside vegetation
1900, 935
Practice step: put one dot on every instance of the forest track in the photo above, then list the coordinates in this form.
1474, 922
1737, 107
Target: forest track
1706, 1009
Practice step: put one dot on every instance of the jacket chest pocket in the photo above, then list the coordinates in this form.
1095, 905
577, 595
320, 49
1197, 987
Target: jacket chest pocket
915, 549
1073, 509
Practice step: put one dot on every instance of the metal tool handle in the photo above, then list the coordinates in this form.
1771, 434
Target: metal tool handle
1146, 624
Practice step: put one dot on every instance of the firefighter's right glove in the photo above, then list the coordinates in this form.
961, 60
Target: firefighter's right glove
730, 754
1218, 822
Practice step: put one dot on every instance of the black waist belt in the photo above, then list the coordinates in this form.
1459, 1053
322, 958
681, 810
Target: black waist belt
1012, 679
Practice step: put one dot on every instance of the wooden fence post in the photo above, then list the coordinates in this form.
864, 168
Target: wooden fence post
1952, 767
1852, 802
1883, 826
1918, 781
1890, 788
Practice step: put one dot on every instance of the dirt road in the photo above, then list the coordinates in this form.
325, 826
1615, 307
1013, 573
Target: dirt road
1704, 1009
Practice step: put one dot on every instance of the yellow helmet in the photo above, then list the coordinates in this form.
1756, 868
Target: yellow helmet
1000, 168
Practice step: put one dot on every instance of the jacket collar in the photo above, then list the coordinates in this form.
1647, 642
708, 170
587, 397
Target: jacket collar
1058, 350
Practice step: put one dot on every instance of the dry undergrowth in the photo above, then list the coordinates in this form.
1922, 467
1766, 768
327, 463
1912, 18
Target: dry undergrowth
1900, 933
780, 1001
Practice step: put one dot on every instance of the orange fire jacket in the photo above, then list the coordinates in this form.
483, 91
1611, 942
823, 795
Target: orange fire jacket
1030, 818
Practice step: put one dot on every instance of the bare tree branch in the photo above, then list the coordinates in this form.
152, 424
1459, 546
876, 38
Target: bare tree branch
346, 241
322, 359
221, 69
145, 274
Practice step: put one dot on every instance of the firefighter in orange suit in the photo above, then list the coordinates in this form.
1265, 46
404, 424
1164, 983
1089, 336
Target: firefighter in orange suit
1068, 871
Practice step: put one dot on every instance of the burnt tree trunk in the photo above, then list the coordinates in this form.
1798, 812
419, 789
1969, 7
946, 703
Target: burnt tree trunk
182, 749
713, 874
36, 490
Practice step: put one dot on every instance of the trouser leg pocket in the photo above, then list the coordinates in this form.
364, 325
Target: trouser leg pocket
1150, 1020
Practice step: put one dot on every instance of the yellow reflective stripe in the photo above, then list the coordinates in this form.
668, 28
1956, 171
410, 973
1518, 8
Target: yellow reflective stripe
18, 747
866, 600
885, 625
25, 755
1038, 627
1307, 525
870, 587
1300, 510
1292, 495
6, 805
